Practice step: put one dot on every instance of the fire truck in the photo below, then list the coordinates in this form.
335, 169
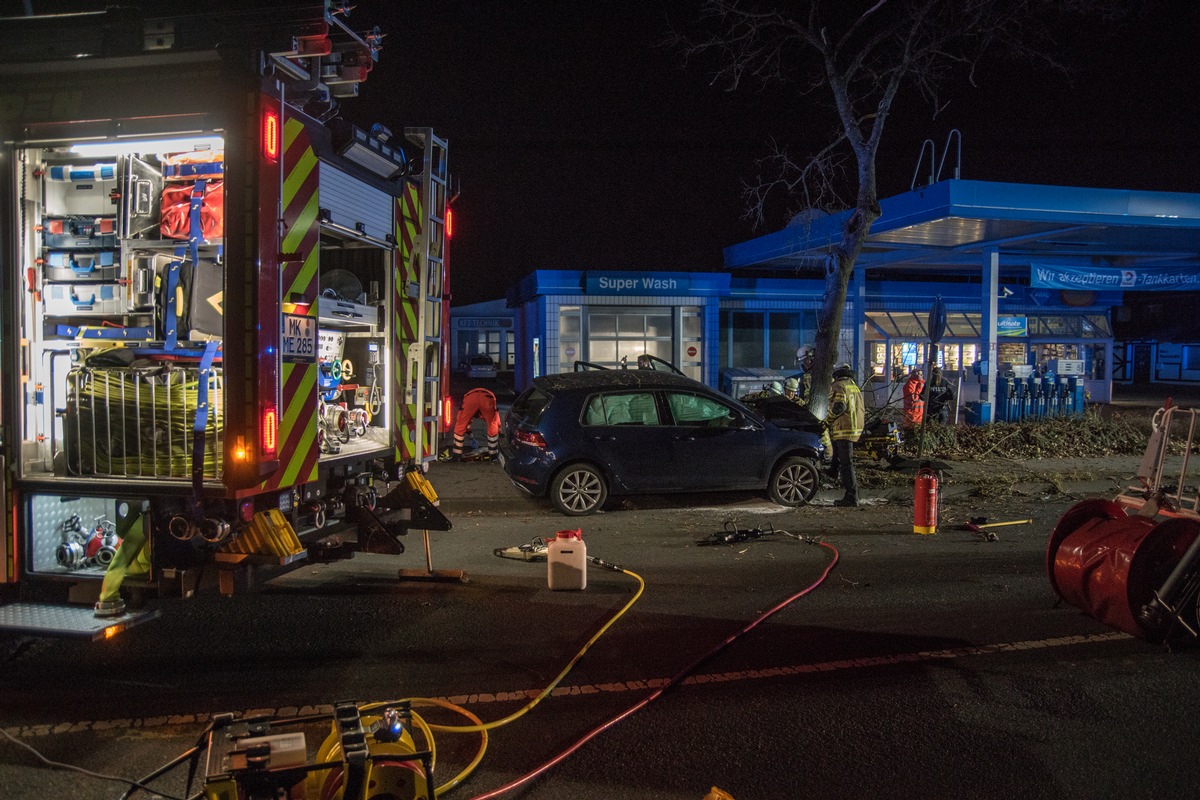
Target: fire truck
222, 324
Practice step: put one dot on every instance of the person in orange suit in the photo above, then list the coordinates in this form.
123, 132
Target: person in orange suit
914, 401
477, 403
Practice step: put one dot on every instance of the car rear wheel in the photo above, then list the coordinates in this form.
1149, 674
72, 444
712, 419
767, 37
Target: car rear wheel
794, 482
578, 490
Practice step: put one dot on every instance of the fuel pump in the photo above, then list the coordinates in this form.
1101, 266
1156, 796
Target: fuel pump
1049, 389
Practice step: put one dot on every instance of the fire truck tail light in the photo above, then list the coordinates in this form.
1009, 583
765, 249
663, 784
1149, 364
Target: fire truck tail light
449, 223
270, 431
239, 449
270, 134
446, 410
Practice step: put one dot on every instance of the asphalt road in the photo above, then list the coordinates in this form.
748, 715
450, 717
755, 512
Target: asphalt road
931, 666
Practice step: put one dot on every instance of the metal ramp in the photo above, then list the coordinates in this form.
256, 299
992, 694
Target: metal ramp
50, 619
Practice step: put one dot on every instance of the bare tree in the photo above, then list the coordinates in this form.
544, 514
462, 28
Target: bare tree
863, 54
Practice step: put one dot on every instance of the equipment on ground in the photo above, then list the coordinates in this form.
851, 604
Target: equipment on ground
732, 534
363, 756
1134, 562
978, 524
230, 302
925, 501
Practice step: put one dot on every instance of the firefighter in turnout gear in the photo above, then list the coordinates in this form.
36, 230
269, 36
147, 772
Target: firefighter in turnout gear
805, 356
477, 403
845, 422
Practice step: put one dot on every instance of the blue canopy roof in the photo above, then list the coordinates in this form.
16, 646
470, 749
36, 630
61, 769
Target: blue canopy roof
946, 228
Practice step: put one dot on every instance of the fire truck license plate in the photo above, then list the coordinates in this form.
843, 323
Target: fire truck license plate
299, 338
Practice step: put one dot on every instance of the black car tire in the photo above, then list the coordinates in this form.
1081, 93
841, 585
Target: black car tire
578, 490
794, 482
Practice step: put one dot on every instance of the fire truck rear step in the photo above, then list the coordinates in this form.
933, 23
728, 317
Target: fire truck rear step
49, 619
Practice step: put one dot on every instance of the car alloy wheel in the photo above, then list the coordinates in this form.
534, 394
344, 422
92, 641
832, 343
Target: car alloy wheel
578, 490
794, 482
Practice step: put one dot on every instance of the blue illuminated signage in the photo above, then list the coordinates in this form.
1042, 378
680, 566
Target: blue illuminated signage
1011, 326
1143, 279
639, 283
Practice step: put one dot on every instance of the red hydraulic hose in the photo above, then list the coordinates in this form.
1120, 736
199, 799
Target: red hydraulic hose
679, 676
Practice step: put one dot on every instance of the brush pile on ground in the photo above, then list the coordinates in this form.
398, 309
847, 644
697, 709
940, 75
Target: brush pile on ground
1088, 436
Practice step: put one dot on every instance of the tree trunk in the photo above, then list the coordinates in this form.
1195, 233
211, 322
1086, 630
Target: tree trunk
837, 282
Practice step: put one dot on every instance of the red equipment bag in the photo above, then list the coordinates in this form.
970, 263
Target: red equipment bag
194, 196
177, 210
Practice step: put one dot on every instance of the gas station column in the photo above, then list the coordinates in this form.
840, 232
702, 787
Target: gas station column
989, 307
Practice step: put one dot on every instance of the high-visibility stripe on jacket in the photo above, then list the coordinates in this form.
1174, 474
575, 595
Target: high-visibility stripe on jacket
847, 413
914, 402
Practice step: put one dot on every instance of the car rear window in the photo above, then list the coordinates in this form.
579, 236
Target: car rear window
530, 405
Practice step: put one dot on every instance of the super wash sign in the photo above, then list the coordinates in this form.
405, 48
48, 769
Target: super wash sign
1140, 279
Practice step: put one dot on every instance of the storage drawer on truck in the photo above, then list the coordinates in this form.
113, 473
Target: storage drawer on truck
81, 189
78, 265
90, 299
91, 233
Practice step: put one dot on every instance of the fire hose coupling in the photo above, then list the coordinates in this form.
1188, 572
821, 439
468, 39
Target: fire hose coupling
182, 528
392, 723
599, 562
214, 530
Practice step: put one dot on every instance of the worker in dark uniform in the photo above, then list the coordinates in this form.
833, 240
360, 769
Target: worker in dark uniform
941, 397
847, 415
477, 403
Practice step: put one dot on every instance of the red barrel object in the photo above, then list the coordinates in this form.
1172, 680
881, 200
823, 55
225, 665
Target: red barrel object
1109, 563
925, 501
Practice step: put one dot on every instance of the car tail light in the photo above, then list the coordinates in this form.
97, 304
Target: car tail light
531, 438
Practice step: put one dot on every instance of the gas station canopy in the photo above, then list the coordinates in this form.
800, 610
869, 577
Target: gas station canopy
1097, 235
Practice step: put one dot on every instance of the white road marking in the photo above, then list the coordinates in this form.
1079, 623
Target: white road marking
481, 698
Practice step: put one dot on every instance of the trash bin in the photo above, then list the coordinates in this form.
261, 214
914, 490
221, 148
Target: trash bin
978, 413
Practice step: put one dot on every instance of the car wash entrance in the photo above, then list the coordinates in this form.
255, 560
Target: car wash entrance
609, 336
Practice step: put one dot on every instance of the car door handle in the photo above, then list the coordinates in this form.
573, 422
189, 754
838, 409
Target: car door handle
604, 438
682, 438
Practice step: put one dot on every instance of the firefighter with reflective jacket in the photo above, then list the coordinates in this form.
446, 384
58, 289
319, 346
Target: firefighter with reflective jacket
477, 403
845, 422
772, 389
805, 357
914, 400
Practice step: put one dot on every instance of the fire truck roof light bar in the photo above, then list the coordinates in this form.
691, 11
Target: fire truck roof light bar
120, 147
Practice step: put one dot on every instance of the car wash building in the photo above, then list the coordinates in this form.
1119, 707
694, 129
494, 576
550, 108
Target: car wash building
1029, 276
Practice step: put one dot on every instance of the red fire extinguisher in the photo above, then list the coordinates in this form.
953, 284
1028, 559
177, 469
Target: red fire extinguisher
925, 501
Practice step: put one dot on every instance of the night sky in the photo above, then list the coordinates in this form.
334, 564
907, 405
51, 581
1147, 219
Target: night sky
579, 141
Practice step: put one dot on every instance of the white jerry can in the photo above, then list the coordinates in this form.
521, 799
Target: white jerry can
566, 561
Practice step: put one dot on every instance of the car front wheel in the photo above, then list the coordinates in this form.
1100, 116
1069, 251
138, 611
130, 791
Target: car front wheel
578, 490
794, 482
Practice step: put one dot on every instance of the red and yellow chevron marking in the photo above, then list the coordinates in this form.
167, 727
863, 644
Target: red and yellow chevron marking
298, 452
406, 324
